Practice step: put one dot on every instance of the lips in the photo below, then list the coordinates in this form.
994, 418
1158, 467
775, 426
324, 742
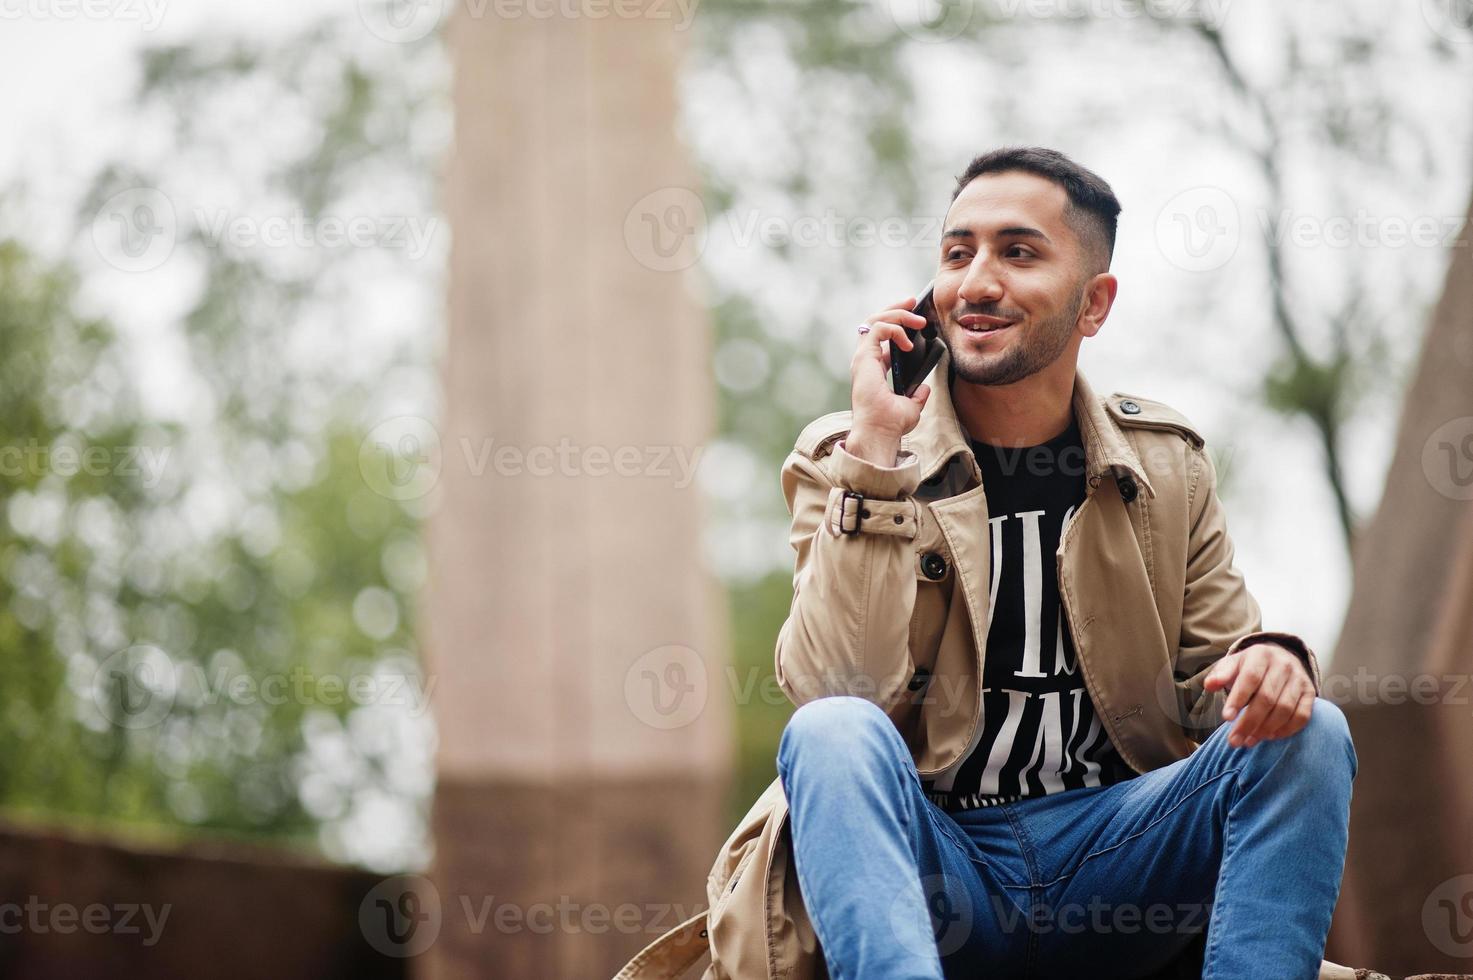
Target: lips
978, 323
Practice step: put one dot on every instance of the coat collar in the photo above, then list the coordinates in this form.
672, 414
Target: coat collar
939, 435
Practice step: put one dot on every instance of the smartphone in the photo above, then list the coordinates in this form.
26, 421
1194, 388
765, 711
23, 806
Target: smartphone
908, 368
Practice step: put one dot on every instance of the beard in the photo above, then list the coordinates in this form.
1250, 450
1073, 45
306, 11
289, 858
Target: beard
1034, 347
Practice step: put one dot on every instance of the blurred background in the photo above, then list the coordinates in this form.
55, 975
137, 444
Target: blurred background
392, 398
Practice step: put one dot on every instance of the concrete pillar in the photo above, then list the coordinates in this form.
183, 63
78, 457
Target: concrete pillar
577, 642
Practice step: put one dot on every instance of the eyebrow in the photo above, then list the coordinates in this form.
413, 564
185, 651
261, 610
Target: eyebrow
1020, 231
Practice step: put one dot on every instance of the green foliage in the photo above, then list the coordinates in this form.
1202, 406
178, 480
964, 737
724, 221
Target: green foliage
222, 640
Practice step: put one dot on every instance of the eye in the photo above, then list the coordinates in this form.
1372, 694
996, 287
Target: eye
956, 253
1020, 251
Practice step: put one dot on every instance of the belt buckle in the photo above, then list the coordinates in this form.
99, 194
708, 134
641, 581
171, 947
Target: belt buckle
858, 510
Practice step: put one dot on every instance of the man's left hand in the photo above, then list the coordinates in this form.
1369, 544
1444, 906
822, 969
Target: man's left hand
1269, 693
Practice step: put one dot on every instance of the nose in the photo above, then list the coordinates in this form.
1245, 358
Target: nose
981, 284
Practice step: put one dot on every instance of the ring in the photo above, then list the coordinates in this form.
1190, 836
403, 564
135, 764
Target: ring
863, 329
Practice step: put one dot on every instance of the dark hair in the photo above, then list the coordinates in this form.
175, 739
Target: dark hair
1092, 206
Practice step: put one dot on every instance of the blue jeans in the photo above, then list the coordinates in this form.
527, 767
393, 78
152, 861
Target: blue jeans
1103, 881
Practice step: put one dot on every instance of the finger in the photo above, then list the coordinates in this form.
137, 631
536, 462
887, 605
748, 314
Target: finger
920, 395
1258, 708
882, 330
1302, 710
1222, 673
1280, 723
1276, 725
1245, 684
1251, 722
900, 315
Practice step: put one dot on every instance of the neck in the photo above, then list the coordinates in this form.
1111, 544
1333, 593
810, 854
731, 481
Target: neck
1025, 413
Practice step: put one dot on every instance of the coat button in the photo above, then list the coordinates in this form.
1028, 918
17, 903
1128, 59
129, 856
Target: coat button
1128, 489
933, 565
1130, 408
919, 680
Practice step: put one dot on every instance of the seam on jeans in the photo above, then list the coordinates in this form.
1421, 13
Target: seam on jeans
1148, 828
1035, 891
941, 823
813, 920
1217, 918
1025, 842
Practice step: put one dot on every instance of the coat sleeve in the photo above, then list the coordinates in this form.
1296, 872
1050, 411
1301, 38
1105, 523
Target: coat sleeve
848, 627
1219, 615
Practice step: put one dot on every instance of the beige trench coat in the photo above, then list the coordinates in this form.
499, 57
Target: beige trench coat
890, 597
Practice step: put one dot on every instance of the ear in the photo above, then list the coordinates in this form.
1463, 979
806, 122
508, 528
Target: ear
1099, 296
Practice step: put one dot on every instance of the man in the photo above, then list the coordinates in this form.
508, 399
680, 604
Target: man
1040, 730
1046, 844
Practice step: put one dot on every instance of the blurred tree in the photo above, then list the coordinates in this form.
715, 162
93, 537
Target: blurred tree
225, 642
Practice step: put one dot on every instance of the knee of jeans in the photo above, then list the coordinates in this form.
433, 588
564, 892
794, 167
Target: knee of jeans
1327, 733
842, 726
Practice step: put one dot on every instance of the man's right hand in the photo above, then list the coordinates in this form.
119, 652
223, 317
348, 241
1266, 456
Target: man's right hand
881, 416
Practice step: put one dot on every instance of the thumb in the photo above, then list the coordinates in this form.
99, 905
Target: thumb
920, 395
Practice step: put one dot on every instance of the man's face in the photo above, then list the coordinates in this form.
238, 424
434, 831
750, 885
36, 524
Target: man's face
1007, 256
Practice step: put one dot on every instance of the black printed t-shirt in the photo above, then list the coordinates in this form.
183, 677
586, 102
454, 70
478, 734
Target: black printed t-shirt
1039, 732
